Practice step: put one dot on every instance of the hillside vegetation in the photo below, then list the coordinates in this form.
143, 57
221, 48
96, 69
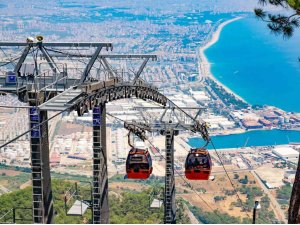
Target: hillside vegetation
294, 3
126, 207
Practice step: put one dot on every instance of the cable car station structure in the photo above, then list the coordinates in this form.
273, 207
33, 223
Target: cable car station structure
50, 84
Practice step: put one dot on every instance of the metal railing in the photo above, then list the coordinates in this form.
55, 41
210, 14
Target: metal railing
10, 216
73, 194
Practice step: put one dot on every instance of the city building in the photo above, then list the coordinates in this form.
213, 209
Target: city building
265, 122
289, 176
192, 77
271, 116
251, 124
286, 153
199, 96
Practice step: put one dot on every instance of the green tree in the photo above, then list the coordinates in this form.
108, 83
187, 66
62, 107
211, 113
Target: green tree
219, 198
244, 180
281, 23
284, 192
127, 207
214, 217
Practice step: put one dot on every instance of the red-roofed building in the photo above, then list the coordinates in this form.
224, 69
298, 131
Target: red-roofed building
55, 158
252, 124
265, 122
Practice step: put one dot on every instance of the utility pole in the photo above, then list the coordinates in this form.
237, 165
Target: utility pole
256, 206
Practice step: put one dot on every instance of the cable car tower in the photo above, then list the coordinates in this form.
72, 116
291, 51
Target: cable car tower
171, 121
64, 77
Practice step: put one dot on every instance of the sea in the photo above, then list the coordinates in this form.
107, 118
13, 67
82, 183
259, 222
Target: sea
263, 69
250, 139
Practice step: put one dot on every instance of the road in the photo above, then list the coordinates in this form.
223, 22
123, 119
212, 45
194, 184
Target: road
274, 204
231, 171
191, 216
4, 189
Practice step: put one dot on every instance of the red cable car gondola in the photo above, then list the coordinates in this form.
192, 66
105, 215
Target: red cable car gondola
198, 164
138, 164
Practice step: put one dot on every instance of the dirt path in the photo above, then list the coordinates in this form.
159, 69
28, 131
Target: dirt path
191, 216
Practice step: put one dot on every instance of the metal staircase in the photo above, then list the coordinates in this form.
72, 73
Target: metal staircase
62, 101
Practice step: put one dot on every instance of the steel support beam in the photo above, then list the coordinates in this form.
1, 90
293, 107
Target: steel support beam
49, 59
57, 44
139, 72
43, 211
90, 65
170, 204
106, 65
100, 179
22, 59
166, 107
106, 56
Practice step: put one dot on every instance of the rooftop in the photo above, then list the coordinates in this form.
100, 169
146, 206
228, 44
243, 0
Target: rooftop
285, 150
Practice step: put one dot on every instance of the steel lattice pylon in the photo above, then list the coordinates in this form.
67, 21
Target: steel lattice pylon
169, 129
40, 167
170, 206
100, 179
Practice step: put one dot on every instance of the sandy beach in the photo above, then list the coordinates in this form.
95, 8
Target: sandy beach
205, 67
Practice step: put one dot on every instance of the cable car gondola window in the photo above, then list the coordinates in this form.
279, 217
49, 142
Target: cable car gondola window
150, 161
144, 166
137, 158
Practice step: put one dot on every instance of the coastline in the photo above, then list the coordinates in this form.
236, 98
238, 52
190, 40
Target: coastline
257, 139
205, 66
